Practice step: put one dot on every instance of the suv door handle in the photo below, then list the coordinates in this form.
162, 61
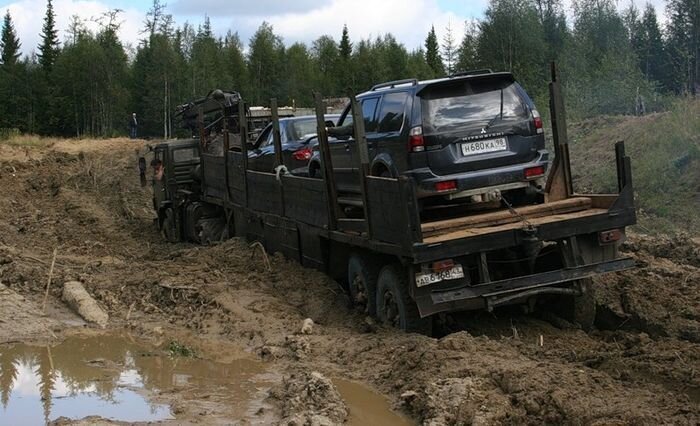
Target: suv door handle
347, 147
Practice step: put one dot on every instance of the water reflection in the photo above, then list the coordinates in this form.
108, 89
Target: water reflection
105, 375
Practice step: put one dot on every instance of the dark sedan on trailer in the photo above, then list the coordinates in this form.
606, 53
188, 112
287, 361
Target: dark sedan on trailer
297, 135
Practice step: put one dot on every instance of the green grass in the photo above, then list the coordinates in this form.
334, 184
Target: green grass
665, 153
177, 349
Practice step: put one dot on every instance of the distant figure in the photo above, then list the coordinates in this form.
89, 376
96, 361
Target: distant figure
133, 126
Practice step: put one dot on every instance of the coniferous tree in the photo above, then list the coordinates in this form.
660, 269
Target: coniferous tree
467, 58
265, 64
649, 46
449, 51
432, 54
9, 43
345, 69
48, 48
683, 42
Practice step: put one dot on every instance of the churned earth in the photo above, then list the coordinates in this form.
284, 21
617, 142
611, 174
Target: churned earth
232, 305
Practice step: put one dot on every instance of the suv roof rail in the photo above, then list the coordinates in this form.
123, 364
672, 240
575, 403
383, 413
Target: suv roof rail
395, 83
472, 72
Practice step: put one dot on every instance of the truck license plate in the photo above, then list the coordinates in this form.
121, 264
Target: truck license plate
485, 146
435, 277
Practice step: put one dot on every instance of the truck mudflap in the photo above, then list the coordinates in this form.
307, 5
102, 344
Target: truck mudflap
503, 292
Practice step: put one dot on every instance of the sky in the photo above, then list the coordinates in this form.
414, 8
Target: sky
297, 20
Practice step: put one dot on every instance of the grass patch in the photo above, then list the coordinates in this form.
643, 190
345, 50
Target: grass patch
28, 141
665, 153
177, 349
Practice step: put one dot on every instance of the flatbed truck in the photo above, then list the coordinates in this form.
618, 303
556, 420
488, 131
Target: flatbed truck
396, 267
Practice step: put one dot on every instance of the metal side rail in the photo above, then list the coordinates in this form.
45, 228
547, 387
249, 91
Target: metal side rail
501, 292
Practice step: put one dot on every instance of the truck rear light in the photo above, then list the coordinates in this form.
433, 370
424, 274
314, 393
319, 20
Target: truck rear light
611, 236
538, 121
534, 172
303, 154
443, 265
447, 185
415, 140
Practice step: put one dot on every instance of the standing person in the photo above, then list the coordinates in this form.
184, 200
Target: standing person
133, 126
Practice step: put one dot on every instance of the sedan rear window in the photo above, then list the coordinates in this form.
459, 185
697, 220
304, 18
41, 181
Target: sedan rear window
452, 106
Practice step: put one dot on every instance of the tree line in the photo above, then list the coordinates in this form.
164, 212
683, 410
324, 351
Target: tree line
612, 62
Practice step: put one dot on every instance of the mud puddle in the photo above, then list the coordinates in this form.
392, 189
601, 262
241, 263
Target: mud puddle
118, 378
366, 407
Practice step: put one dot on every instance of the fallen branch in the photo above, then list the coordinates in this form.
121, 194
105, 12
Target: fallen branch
177, 287
48, 284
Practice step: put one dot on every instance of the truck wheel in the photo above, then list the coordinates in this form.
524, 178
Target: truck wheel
362, 283
394, 306
581, 309
169, 228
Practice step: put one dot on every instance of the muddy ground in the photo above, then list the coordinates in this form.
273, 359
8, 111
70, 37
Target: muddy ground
83, 198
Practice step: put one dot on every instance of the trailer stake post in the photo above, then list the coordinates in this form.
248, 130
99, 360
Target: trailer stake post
363, 151
559, 184
326, 163
276, 138
243, 129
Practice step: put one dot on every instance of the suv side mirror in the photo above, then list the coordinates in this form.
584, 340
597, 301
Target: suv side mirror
330, 123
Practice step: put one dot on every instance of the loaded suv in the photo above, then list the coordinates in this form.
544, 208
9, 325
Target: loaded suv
474, 136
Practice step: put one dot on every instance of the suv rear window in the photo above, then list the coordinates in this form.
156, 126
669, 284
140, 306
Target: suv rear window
446, 107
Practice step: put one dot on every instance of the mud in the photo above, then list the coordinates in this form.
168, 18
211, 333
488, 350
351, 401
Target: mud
83, 198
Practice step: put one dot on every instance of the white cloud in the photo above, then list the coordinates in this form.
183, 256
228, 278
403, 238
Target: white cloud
299, 20
409, 23
243, 7
28, 18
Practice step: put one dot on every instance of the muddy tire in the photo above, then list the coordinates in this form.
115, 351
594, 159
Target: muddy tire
169, 226
394, 306
581, 309
362, 283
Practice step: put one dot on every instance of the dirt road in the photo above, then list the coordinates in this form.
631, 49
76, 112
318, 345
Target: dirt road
642, 365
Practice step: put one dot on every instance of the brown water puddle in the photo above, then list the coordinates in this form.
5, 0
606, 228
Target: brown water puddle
119, 378
366, 407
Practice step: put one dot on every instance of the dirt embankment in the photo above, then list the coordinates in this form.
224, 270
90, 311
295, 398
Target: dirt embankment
84, 199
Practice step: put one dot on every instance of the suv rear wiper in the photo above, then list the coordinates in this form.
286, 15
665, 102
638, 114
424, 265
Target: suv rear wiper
496, 118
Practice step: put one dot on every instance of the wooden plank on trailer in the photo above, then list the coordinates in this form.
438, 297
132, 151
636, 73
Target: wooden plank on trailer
305, 200
264, 192
505, 216
474, 232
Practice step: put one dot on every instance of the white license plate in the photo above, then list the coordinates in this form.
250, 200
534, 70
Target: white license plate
436, 277
482, 147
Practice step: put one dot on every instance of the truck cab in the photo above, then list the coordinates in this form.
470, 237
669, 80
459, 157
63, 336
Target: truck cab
175, 181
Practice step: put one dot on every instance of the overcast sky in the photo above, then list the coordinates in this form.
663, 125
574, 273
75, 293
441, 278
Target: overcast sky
296, 20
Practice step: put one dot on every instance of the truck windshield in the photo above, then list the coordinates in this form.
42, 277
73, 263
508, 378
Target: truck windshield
466, 104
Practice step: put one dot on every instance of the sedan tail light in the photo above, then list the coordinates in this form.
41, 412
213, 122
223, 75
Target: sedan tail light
303, 154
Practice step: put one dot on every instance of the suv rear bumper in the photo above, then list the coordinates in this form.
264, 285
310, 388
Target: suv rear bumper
426, 179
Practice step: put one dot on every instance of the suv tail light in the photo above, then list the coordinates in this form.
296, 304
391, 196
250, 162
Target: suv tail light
538, 121
415, 140
447, 185
303, 154
534, 172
